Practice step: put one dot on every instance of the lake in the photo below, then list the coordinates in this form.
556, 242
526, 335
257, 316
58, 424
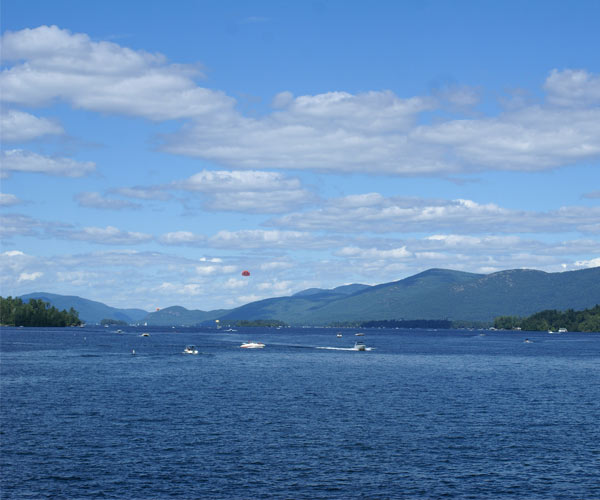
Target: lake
424, 415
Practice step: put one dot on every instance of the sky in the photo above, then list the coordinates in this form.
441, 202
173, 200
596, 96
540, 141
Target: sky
151, 151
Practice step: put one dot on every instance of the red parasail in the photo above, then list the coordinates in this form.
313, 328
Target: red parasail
245, 273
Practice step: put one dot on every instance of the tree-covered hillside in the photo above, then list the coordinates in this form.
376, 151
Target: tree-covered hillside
587, 320
36, 312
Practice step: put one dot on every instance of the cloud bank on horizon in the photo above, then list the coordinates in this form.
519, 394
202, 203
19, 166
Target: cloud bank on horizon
127, 178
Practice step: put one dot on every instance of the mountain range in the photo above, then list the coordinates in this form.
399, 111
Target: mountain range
433, 294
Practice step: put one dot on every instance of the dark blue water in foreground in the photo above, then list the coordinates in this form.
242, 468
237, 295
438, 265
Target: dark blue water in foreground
447, 414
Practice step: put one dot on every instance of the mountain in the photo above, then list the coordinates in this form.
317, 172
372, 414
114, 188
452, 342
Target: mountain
437, 294
180, 316
433, 294
89, 311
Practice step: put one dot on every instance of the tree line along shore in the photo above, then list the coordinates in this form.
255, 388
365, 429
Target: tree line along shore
36, 312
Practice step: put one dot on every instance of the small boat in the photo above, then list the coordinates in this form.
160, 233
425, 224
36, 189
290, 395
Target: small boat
119, 331
145, 334
359, 334
339, 335
527, 341
562, 330
360, 346
190, 349
252, 345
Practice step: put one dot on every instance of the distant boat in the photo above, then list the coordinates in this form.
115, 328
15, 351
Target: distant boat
359, 334
252, 345
190, 349
145, 334
339, 335
527, 341
562, 330
230, 330
119, 331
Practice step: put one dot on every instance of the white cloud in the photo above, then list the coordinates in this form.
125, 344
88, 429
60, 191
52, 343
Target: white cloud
573, 88
105, 236
247, 191
588, 263
96, 200
17, 160
17, 126
387, 215
182, 238
210, 181
19, 225
260, 238
101, 76
77, 278
30, 276
374, 253
168, 288
376, 132
8, 200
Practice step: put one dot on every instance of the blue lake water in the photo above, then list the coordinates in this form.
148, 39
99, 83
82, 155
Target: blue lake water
425, 415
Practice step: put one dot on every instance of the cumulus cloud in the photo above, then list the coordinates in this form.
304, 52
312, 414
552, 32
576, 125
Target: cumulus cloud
379, 214
17, 126
8, 200
573, 88
588, 263
108, 235
19, 225
30, 276
376, 132
247, 191
260, 238
55, 64
101, 76
17, 160
375, 253
96, 200
184, 238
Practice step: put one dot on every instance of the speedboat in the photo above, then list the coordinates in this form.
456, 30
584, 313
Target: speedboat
339, 335
359, 334
145, 334
360, 346
190, 349
252, 345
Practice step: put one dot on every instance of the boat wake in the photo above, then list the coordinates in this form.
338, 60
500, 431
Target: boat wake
345, 348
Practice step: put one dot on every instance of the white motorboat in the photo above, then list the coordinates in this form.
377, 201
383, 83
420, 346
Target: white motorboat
339, 335
252, 345
359, 334
360, 346
190, 349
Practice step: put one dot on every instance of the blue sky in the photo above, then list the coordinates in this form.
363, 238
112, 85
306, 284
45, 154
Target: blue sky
153, 150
